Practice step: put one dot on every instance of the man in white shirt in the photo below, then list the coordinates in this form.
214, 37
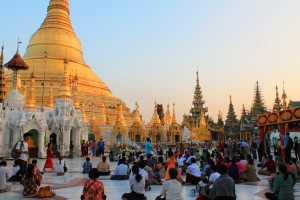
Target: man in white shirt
22, 148
188, 161
121, 172
4, 175
193, 174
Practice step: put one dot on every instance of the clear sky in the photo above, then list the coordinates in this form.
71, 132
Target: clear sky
150, 50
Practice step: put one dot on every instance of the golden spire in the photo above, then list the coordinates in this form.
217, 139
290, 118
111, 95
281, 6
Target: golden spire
168, 118
75, 95
84, 117
137, 116
30, 103
50, 103
220, 116
277, 104
155, 118
120, 121
284, 97
64, 90
103, 116
174, 121
24, 90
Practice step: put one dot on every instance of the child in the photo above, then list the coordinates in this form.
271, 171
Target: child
36, 168
15, 169
87, 166
3, 176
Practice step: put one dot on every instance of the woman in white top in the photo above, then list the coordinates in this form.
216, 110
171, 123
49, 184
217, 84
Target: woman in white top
137, 185
60, 167
172, 188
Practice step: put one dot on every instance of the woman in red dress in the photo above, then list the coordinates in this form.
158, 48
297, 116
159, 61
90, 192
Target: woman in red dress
49, 163
83, 148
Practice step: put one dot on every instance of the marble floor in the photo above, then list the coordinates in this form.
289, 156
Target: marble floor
70, 186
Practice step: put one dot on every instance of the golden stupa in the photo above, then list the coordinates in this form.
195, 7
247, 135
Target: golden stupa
48, 48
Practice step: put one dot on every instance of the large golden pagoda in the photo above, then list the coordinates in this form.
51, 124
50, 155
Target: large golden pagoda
47, 50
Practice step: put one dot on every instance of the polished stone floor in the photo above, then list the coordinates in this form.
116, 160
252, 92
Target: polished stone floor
70, 186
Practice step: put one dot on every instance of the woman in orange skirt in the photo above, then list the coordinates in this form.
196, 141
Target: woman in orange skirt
170, 164
49, 163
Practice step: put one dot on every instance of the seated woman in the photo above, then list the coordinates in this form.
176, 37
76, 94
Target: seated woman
270, 165
249, 173
172, 188
137, 185
295, 169
103, 167
161, 167
233, 171
121, 171
93, 188
282, 185
193, 174
31, 183
152, 179
60, 166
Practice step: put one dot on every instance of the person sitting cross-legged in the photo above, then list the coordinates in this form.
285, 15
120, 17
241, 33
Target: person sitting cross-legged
171, 189
223, 187
193, 174
121, 171
270, 164
87, 166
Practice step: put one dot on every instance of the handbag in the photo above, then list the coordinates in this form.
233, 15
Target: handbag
160, 197
65, 168
45, 192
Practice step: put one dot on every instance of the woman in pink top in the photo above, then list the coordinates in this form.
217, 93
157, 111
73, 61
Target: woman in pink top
288, 164
241, 166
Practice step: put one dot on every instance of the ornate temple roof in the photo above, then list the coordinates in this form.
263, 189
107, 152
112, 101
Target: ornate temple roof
277, 103
258, 106
231, 123
17, 63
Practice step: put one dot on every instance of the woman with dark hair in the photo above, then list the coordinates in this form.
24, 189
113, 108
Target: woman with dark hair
170, 164
295, 169
60, 167
103, 167
30, 182
49, 163
282, 186
249, 173
233, 171
93, 189
137, 185
171, 188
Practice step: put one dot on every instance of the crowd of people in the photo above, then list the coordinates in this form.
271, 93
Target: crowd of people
214, 170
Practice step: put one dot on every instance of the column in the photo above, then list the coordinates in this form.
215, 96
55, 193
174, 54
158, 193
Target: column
282, 131
262, 136
42, 153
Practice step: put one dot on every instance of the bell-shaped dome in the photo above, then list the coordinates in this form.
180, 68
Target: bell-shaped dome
15, 100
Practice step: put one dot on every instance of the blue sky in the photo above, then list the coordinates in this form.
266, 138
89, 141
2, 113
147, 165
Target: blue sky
150, 50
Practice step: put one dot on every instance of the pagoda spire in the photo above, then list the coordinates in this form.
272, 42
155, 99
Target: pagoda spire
120, 121
25, 90
198, 102
174, 120
220, 116
258, 106
3, 89
244, 111
137, 116
64, 90
284, 99
168, 117
30, 103
50, 103
155, 118
277, 103
231, 117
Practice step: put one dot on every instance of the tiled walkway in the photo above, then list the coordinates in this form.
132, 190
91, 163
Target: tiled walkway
70, 186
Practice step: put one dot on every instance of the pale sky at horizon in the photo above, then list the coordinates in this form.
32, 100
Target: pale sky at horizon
150, 50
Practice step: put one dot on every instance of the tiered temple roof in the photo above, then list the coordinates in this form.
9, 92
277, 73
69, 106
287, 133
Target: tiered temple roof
231, 124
